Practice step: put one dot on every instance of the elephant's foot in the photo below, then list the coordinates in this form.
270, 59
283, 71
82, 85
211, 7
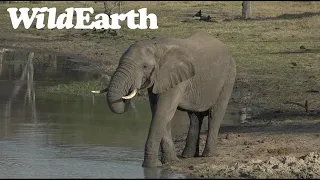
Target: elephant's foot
188, 153
210, 152
151, 162
197, 154
169, 157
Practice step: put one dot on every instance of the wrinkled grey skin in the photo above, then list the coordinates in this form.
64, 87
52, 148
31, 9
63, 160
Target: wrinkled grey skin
195, 75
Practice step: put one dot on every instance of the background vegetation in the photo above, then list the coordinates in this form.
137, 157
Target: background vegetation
277, 51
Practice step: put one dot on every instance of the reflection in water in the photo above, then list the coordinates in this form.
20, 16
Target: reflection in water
150, 173
1, 60
47, 135
27, 75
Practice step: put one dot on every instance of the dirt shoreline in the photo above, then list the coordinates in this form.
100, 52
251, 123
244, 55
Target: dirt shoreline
286, 149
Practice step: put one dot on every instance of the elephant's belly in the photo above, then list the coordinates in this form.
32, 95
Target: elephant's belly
193, 107
193, 101
201, 95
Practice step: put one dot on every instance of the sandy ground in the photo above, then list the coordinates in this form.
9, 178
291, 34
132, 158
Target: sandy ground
283, 149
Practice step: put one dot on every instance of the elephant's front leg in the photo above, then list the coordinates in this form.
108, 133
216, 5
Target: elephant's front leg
156, 132
164, 111
167, 146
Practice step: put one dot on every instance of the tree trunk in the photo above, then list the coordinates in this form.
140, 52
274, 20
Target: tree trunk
119, 4
246, 10
105, 7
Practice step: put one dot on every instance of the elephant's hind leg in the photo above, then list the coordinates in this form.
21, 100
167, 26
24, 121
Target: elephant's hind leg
191, 148
215, 117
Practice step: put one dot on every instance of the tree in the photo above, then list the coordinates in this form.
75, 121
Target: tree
109, 9
246, 10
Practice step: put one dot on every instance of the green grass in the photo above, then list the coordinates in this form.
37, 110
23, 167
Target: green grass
261, 47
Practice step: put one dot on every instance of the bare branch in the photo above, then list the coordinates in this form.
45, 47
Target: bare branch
305, 105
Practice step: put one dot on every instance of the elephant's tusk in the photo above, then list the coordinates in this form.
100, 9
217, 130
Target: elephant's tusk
96, 92
134, 92
101, 91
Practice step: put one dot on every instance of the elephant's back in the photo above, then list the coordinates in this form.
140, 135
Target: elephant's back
208, 52
205, 43
205, 40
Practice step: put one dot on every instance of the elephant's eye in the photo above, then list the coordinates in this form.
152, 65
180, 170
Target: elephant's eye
145, 66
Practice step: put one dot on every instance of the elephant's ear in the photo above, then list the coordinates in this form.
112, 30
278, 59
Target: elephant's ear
174, 68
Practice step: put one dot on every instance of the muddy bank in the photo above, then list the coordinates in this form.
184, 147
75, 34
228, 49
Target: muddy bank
270, 150
303, 167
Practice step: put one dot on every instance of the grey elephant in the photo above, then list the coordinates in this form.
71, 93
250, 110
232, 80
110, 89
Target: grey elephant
195, 74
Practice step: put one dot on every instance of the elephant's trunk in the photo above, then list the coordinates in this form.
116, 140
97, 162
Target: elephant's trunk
120, 85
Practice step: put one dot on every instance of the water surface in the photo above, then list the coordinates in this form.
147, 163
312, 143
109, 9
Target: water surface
50, 135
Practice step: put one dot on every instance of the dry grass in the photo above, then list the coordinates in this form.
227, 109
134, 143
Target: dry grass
264, 48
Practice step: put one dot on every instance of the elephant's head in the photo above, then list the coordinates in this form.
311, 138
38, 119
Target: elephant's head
159, 64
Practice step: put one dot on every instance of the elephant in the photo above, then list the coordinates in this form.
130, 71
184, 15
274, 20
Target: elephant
195, 74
